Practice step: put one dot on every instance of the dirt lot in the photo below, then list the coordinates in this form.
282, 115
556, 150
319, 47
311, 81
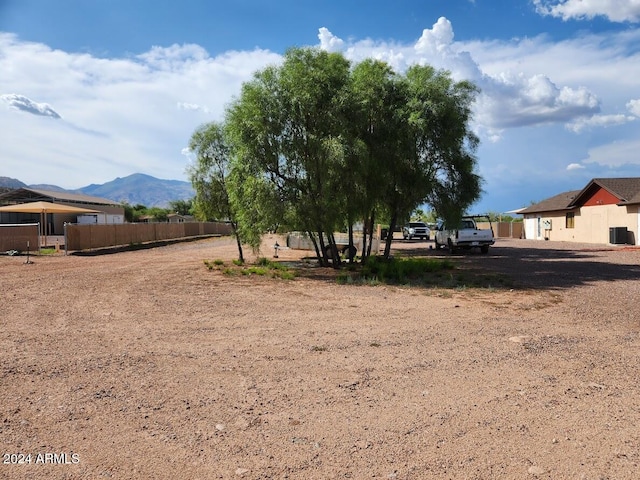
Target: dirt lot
145, 364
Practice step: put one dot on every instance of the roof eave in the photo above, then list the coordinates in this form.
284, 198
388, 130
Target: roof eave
596, 181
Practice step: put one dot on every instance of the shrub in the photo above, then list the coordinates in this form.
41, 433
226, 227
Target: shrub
403, 270
262, 267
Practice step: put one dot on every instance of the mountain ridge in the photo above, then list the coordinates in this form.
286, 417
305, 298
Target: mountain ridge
134, 189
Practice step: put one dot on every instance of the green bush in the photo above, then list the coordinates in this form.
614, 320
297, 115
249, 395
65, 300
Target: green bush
213, 264
262, 267
403, 270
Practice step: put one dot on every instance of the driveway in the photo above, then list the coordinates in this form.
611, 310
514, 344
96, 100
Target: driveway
543, 264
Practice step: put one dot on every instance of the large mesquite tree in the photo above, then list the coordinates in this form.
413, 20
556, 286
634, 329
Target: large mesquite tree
288, 124
434, 159
326, 144
372, 132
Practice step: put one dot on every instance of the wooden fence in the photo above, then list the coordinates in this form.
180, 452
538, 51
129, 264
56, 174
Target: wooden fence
20, 237
92, 236
505, 229
87, 237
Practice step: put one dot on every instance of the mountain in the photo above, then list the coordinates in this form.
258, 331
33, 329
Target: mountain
142, 189
8, 183
51, 188
135, 189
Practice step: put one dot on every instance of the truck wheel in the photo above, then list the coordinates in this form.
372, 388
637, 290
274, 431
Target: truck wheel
484, 248
451, 248
350, 251
329, 251
437, 245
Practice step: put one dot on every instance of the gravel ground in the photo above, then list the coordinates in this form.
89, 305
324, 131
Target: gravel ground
145, 364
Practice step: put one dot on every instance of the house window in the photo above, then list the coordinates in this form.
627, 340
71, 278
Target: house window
570, 220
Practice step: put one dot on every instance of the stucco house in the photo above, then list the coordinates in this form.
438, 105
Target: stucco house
177, 218
606, 210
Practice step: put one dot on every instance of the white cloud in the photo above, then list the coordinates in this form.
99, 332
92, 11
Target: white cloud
575, 166
508, 98
614, 10
615, 154
135, 114
594, 61
121, 115
328, 41
634, 107
436, 40
174, 57
20, 102
594, 76
517, 101
192, 107
490, 134
599, 121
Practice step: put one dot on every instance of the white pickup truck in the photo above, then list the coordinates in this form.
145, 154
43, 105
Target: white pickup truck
466, 236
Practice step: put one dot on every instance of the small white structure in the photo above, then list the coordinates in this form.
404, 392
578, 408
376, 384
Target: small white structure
100, 219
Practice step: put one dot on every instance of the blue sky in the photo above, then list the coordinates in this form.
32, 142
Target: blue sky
94, 90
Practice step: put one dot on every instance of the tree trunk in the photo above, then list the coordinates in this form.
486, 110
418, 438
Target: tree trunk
323, 249
234, 228
315, 246
392, 227
350, 242
373, 218
333, 250
364, 255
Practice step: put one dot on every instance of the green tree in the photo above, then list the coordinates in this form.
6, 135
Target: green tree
158, 214
444, 112
502, 217
128, 211
436, 162
132, 213
326, 145
419, 215
182, 207
255, 201
209, 175
418, 147
287, 122
372, 128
